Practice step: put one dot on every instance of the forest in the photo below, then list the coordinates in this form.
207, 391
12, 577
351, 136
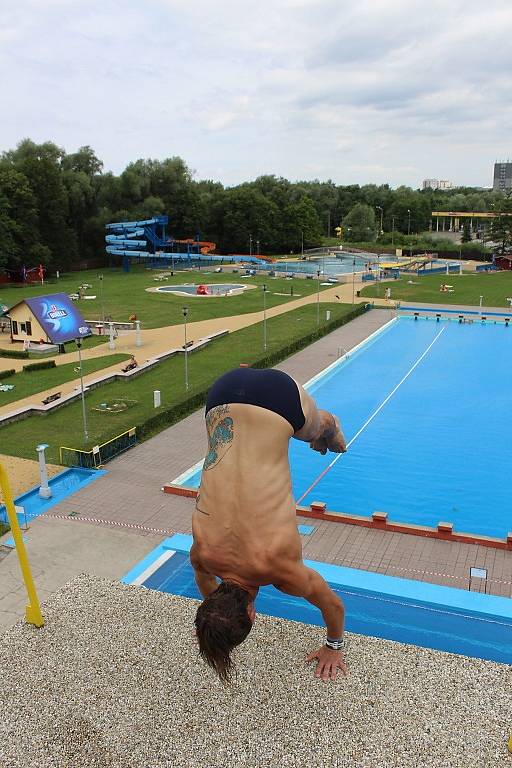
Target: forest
54, 206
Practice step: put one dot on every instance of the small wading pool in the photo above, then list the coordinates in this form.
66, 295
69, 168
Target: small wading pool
413, 612
61, 486
210, 289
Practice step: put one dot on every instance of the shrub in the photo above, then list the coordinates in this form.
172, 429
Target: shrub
39, 365
7, 373
17, 353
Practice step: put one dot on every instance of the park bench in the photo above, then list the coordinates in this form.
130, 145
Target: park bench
51, 398
187, 345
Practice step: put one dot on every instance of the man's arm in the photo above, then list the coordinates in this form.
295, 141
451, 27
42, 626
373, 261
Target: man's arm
305, 582
321, 429
206, 582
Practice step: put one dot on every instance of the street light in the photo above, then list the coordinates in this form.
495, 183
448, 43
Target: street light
392, 230
265, 317
100, 277
79, 347
185, 313
409, 222
302, 243
258, 247
250, 244
318, 297
353, 277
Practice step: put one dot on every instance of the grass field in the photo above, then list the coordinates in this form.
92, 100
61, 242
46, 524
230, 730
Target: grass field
124, 294
63, 427
26, 384
467, 289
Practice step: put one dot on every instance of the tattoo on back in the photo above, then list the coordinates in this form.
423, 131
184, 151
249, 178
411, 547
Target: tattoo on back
220, 435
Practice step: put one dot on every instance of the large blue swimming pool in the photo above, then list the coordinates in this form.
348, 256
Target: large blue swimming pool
436, 448
382, 606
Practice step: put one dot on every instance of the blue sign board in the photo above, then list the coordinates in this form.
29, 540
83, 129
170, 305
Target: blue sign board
59, 318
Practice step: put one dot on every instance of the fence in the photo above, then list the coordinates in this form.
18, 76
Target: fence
99, 454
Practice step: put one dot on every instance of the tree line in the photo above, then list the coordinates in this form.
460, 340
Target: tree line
54, 206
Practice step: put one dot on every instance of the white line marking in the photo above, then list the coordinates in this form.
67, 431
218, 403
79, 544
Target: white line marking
155, 565
381, 406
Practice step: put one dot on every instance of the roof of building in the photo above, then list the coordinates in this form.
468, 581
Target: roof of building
60, 319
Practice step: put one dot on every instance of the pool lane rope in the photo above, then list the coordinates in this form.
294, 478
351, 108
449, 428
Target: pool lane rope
374, 414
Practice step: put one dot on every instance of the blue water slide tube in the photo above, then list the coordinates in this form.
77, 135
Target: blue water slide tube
118, 241
123, 225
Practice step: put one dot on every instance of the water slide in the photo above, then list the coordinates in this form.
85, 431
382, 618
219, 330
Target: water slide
124, 240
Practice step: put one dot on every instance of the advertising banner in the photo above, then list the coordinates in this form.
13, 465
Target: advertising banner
60, 319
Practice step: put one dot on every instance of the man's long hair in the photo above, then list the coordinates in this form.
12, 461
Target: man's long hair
222, 622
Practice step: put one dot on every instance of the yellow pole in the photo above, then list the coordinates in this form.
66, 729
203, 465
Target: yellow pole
33, 611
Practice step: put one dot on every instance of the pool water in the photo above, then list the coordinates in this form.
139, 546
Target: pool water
214, 289
437, 450
368, 612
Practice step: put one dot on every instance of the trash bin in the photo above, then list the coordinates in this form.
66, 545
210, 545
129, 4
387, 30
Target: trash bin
358, 293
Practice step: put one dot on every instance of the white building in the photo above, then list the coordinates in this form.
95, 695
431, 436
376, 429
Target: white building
437, 184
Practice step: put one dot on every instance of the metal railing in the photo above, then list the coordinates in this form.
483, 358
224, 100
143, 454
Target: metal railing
99, 454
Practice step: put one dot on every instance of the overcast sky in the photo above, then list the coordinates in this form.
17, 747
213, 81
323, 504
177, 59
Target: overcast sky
357, 91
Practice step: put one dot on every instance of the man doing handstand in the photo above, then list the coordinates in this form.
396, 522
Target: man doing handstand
244, 523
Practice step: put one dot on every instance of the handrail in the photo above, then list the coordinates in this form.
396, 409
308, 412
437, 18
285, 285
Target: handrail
33, 610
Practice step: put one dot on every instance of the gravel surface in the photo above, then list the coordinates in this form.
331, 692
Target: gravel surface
114, 679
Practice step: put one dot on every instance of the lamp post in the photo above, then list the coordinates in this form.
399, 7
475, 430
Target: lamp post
250, 244
84, 417
353, 277
185, 313
381, 218
318, 297
392, 230
257, 248
100, 277
265, 316
302, 243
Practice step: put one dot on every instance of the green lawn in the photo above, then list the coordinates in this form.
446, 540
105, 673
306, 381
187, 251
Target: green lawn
124, 294
63, 427
494, 287
28, 383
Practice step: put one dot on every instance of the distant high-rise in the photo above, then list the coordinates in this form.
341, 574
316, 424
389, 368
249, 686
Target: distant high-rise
502, 177
437, 184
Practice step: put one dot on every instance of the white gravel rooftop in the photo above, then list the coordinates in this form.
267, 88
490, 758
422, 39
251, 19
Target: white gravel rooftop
114, 679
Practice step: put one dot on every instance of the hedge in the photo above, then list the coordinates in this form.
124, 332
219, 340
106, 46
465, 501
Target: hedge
177, 412
17, 353
7, 373
39, 365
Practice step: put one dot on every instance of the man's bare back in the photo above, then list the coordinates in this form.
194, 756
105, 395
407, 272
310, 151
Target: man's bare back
244, 524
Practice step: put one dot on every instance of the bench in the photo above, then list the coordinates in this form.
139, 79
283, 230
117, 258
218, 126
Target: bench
187, 345
51, 398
